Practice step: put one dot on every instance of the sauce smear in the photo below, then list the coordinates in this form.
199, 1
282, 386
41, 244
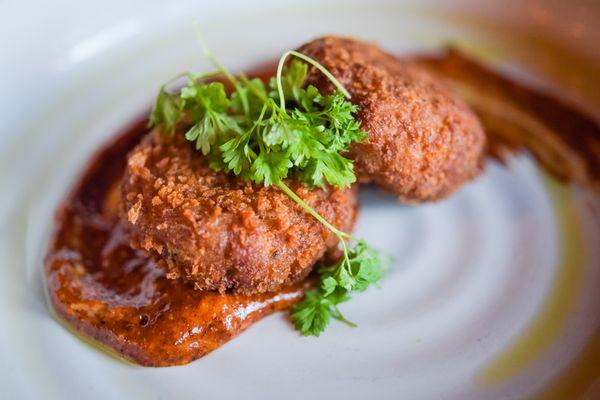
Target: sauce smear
123, 300
118, 296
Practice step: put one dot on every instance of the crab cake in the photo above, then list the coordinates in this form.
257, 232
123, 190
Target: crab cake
423, 141
218, 231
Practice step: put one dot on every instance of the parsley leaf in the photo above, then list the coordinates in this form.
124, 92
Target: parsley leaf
249, 134
361, 266
312, 315
210, 96
269, 168
167, 111
254, 91
330, 167
207, 105
237, 155
267, 133
292, 83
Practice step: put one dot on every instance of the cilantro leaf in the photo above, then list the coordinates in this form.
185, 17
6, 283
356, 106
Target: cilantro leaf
312, 314
254, 92
237, 154
360, 267
203, 134
292, 82
269, 133
257, 140
270, 168
207, 104
209, 96
167, 111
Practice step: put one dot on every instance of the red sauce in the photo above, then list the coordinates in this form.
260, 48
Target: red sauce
119, 297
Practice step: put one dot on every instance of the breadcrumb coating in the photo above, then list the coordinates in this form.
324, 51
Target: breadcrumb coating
221, 232
423, 141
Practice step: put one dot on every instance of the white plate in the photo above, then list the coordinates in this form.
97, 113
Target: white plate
494, 293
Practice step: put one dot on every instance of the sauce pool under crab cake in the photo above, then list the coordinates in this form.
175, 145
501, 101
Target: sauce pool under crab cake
122, 299
119, 296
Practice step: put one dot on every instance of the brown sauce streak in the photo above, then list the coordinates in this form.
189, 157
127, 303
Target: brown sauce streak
565, 141
120, 298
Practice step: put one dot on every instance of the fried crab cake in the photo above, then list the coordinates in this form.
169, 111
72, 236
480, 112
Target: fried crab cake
220, 232
423, 141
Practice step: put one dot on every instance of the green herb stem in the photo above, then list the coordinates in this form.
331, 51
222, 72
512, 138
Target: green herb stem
337, 314
209, 56
309, 60
248, 134
311, 211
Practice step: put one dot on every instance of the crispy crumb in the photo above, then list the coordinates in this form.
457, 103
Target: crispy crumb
220, 232
423, 141
134, 212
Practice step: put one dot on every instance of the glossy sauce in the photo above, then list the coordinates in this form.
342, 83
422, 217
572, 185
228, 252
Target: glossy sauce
120, 298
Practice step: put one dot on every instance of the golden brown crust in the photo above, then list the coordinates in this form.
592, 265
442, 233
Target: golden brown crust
218, 231
118, 296
423, 141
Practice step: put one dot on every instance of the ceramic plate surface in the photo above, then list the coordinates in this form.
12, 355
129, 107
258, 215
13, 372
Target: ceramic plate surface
494, 292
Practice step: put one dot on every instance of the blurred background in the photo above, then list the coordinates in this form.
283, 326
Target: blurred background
46, 41
76, 72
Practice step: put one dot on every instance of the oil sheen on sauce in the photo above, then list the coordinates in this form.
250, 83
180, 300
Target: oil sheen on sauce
122, 300
119, 297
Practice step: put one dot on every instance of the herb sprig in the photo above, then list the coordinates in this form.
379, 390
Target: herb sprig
266, 133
